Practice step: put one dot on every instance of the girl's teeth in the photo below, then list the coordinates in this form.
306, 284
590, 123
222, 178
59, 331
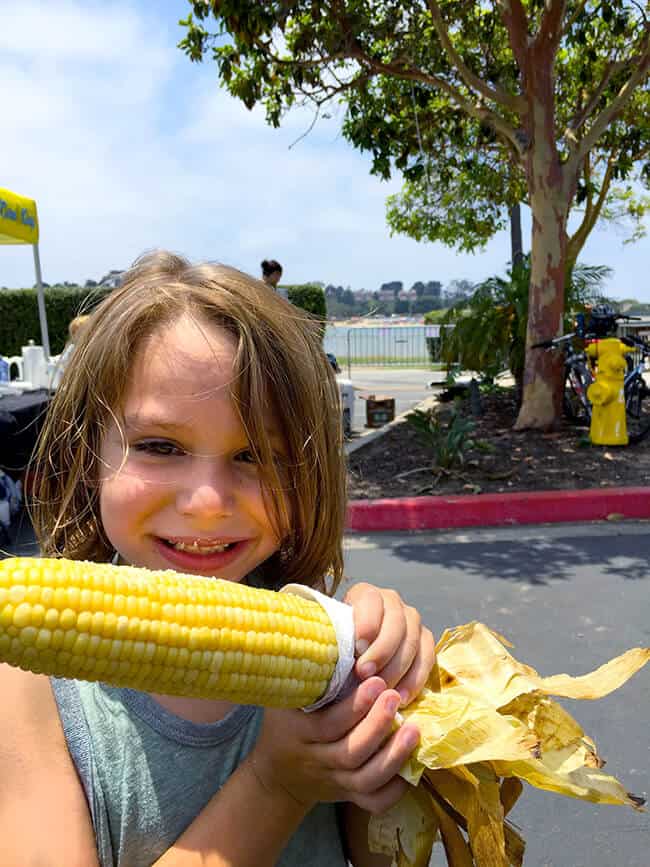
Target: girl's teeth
195, 548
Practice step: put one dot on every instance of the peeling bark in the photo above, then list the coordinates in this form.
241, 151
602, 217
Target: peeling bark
550, 196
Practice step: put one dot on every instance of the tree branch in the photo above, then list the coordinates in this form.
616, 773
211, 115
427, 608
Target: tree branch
608, 114
591, 102
574, 16
475, 110
550, 30
497, 94
515, 21
592, 212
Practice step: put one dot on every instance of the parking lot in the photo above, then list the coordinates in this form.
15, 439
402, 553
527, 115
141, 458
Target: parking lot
409, 387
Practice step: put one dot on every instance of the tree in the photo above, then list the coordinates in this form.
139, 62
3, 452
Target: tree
310, 297
519, 70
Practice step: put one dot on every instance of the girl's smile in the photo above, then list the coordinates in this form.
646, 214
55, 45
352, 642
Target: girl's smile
180, 486
199, 555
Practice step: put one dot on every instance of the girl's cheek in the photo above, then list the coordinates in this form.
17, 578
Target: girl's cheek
125, 486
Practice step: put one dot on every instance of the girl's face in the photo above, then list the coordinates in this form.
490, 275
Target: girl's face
188, 494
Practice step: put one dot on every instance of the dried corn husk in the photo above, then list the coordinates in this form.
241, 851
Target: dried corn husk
487, 722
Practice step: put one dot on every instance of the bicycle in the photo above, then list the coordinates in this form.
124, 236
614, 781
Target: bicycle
579, 376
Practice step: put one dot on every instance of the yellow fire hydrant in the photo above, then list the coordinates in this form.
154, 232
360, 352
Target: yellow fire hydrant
608, 426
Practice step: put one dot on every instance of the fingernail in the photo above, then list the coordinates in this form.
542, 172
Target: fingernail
375, 691
404, 696
361, 646
367, 669
392, 705
411, 738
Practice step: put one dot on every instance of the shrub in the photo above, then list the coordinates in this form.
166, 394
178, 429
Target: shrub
310, 298
19, 320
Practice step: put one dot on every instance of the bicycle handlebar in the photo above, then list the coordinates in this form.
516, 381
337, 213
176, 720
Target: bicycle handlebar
556, 341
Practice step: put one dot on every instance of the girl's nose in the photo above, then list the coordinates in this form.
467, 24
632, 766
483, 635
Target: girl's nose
207, 492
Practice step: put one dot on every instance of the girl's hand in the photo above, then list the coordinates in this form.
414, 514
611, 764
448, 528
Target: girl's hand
344, 752
390, 640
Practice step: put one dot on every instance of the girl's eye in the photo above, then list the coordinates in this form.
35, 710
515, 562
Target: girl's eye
160, 448
246, 457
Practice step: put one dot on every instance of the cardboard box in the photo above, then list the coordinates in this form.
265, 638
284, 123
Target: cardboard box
379, 410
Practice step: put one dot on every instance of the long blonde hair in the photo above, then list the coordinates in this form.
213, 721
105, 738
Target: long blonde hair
280, 367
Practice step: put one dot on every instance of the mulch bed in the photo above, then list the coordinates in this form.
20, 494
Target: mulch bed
400, 464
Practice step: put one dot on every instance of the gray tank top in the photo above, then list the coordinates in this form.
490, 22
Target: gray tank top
148, 773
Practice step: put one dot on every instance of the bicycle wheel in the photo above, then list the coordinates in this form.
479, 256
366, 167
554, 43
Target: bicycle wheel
637, 409
577, 408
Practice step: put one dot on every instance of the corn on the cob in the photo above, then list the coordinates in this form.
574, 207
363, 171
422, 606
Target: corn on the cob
164, 632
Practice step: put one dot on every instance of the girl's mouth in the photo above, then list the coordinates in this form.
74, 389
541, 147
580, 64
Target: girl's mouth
200, 555
197, 547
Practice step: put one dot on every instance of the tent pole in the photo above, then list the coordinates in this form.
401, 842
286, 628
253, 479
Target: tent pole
42, 315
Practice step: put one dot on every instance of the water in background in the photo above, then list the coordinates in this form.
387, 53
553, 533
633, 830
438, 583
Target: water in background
380, 344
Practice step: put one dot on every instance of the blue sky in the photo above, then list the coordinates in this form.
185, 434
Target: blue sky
126, 146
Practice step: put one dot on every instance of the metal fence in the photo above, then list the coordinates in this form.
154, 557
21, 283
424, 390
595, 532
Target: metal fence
635, 329
393, 345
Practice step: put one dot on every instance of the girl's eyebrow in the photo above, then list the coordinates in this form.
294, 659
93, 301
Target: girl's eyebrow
137, 422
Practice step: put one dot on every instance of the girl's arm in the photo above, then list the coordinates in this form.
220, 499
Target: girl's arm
44, 817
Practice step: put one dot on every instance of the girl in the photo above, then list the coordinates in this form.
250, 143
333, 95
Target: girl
197, 428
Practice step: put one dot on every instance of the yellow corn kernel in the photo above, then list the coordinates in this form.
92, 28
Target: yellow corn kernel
164, 632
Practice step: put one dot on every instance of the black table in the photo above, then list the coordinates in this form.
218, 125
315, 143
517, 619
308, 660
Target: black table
21, 419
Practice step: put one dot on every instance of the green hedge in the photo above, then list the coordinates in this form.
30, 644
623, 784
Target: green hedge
310, 298
19, 320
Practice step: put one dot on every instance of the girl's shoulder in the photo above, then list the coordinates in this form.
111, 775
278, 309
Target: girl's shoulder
40, 796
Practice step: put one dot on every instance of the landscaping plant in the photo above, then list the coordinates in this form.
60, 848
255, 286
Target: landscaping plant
449, 439
489, 330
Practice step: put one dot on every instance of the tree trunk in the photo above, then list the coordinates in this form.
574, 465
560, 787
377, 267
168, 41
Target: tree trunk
541, 405
550, 196
516, 245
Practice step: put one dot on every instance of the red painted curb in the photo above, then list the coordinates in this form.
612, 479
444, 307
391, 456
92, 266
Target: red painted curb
490, 510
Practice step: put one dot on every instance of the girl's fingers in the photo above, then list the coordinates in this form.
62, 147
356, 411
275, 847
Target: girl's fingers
368, 604
412, 684
400, 663
336, 720
367, 739
408, 676
383, 765
384, 798
388, 639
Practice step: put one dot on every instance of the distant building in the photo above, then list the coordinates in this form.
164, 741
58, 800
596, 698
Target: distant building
394, 288
112, 280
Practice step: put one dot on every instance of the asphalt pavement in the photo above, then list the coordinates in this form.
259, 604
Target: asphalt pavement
409, 387
569, 598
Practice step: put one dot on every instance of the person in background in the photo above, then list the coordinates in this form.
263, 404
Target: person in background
271, 272
75, 327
